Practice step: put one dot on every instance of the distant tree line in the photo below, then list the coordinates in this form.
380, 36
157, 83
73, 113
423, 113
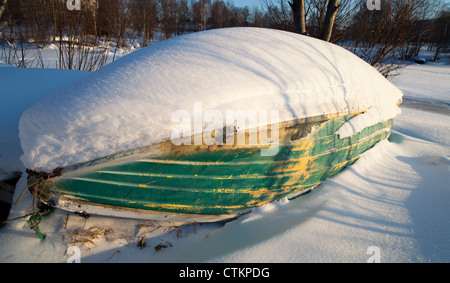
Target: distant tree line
78, 33
383, 37
45, 19
399, 29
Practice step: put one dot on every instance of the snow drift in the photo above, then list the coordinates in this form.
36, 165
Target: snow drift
129, 104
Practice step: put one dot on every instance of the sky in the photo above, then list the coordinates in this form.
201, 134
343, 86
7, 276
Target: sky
249, 3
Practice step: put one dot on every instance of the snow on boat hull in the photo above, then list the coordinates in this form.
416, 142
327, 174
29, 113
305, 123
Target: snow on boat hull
209, 183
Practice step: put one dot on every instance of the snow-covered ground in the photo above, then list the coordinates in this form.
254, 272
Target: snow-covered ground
391, 205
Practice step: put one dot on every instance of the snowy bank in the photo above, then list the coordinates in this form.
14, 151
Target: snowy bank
431, 79
129, 103
4, 65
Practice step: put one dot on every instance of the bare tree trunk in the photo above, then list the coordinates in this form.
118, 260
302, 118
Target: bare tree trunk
332, 9
298, 8
204, 12
2, 6
94, 16
440, 44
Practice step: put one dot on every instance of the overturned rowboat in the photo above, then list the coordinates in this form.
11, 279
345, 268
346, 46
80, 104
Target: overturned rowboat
219, 182
138, 171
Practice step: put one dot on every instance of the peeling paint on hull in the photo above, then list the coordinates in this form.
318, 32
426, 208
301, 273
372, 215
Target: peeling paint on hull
212, 180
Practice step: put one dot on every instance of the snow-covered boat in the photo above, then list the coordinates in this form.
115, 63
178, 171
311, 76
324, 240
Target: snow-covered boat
105, 145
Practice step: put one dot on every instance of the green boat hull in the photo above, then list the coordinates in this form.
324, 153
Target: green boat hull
214, 180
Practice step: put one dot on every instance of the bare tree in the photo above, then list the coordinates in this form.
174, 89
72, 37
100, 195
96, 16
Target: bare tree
330, 17
168, 16
378, 36
183, 16
220, 14
3, 4
144, 17
298, 8
113, 19
421, 28
205, 6
279, 14
37, 20
441, 35
322, 14
259, 18
201, 10
238, 16
16, 49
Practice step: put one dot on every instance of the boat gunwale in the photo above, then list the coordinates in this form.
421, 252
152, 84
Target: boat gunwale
168, 146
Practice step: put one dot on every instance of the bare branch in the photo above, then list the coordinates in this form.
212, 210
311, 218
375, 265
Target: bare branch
3, 4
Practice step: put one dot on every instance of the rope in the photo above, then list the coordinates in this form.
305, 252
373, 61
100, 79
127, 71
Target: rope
40, 214
34, 223
36, 219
